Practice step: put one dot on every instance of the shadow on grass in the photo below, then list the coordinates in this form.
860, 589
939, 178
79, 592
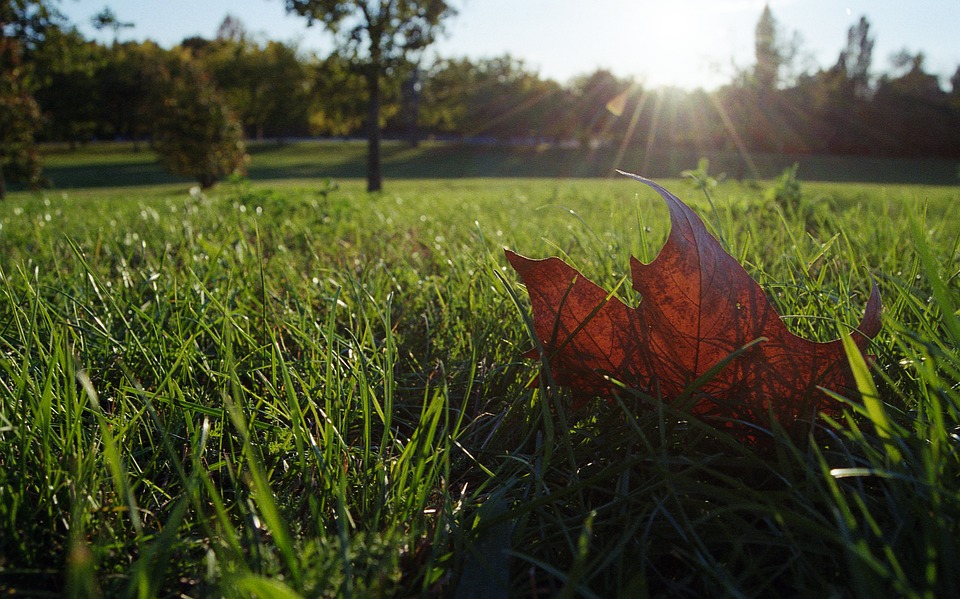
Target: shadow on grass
121, 167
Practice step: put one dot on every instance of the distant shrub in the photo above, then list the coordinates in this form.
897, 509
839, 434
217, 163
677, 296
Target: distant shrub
701, 176
194, 132
786, 191
20, 119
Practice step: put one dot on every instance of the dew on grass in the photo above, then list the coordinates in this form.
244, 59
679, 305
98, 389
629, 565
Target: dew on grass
152, 281
148, 213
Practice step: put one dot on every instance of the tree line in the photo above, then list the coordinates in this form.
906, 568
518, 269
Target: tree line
196, 102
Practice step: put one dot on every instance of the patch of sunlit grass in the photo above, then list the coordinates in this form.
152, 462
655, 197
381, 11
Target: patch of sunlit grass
305, 390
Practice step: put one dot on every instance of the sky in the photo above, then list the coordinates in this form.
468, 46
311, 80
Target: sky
684, 43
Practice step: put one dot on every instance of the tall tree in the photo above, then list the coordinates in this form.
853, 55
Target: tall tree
23, 25
767, 51
377, 35
955, 89
858, 56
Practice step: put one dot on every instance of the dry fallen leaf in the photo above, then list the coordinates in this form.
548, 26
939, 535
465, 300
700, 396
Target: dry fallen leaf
698, 307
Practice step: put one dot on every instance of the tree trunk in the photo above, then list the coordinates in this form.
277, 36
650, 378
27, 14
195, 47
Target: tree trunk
3, 186
374, 177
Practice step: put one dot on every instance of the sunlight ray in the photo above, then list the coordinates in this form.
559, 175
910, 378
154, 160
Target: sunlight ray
631, 127
735, 136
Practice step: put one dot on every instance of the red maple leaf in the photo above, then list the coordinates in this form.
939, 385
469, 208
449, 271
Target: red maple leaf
699, 309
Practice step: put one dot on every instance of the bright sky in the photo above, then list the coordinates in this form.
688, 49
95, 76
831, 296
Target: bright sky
688, 43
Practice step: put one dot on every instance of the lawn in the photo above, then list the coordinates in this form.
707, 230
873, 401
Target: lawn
293, 388
123, 165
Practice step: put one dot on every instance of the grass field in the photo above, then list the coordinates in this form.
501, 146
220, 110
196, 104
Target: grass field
295, 388
117, 165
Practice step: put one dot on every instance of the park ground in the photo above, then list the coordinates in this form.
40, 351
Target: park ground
285, 386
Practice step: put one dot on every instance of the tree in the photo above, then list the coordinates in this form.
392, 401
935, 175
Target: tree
232, 29
195, 134
265, 85
23, 25
66, 67
122, 90
593, 94
19, 121
107, 19
916, 114
496, 97
447, 83
767, 52
337, 94
858, 56
26, 21
377, 35
955, 90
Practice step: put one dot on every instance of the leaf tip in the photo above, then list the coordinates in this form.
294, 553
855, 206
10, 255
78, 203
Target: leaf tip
870, 325
632, 175
521, 264
671, 199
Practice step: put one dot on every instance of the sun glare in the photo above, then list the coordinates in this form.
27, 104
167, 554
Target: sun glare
671, 44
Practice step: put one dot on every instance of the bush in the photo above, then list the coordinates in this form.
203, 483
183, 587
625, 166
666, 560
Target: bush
194, 132
786, 191
19, 121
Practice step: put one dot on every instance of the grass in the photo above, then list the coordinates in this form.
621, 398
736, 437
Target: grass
121, 165
299, 389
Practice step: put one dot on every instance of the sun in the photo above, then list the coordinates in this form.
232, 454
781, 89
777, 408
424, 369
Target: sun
675, 43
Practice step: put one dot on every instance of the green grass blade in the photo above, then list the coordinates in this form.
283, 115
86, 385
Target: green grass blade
871, 399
